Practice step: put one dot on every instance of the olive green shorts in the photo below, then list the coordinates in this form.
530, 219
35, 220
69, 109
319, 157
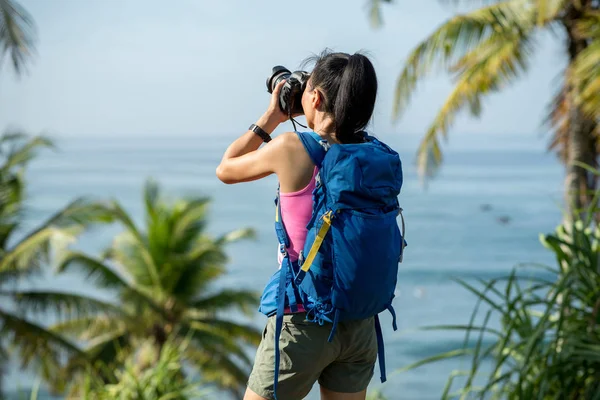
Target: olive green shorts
345, 365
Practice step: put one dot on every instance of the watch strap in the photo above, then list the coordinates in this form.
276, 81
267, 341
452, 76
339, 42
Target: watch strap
260, 132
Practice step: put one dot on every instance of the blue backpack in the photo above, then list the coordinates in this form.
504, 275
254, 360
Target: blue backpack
349, 265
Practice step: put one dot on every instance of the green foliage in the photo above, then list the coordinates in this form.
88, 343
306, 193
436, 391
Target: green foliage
586, 67
487, 49
548, 345
374, 9
23, 253
138, 379
17, 34
163, 275
376, 395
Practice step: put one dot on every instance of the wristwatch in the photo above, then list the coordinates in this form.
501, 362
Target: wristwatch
260, 132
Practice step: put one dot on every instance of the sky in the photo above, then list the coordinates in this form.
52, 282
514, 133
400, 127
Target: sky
185, 68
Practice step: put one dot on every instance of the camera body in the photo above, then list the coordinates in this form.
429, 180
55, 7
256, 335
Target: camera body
290, 97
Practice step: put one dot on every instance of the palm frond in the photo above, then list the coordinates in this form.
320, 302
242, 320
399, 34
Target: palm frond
588, 27
220, 370
374, 11
87, 328
18, 148
121, 215
188, 223
11, 202
130, 250
12, 136
217, 339
151, 196
247, 333
17, 34
244, 300
81, 212
97, 271
31, 252
557, 120
160, 243
64, 305
107, 278
457, 37
234, 236
59, 229
33, 340
135, 257
489, 67
102, 355
548, 10
108, 348
198, 273
584, 75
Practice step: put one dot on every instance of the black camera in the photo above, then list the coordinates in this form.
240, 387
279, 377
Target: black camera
290, 97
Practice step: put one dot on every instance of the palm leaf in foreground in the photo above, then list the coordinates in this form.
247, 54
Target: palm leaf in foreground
58, 230
23, 252
17, 34
165, 380
549, 328
35, 343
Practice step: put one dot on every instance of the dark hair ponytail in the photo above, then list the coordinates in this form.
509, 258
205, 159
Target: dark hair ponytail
349, 85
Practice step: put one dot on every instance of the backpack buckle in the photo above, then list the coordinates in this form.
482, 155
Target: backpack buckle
282, 249
299, 277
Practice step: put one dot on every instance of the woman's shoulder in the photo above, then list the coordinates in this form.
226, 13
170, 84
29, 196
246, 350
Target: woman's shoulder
290, 144
289, 137
289, 141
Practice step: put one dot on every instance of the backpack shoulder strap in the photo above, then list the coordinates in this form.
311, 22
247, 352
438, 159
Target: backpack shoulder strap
379, 335
314, 146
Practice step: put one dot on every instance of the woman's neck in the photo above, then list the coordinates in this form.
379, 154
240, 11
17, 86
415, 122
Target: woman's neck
325, 129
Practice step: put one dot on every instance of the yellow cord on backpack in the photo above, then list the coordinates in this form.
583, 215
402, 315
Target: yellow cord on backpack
318, 241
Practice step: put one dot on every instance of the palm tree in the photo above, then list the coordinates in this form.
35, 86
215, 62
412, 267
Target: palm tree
163, 277
17, 34
487, 49
23, 253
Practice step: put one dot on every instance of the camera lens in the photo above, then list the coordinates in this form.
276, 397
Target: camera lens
290, 98
279, 73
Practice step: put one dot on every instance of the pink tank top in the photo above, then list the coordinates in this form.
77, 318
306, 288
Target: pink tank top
296, 210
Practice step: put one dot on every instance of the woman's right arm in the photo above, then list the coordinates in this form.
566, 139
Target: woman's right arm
243, 161
250, 141
252, 164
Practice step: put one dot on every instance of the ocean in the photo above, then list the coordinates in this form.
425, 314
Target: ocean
480, 217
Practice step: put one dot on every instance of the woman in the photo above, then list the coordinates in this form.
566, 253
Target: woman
338, 103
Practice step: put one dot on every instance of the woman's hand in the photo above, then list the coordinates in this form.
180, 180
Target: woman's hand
273, 116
